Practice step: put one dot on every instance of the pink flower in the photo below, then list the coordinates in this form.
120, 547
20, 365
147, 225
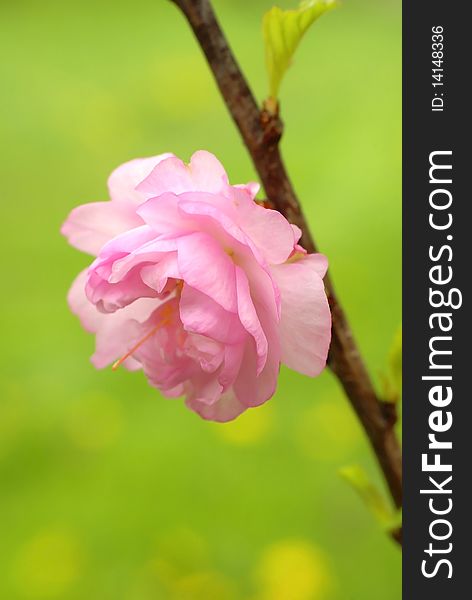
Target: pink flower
198, 285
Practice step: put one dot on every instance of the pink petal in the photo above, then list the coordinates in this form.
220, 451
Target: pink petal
207, 268
297, 233
305, 325
115, 277
252, 188
270, 231
80, 305
201, 314
125, 243
204, 173
206, 205
318, 262
163, 215
116, 332
207, 352
253, 388
121, 330
264, 290
175, 392
249, 318
110, 297
207, 172
205, 389
150, 252
233, 355
123, 181
156, 276
90, 226
227, 408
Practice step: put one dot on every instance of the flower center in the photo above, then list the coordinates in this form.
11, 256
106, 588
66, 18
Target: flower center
166, 314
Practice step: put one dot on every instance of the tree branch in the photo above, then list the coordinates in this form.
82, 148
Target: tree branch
261, 131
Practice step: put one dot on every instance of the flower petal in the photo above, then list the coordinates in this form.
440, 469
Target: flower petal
157, 275
201, 314
206, 267
249, 318
123, 181
204, 174
90, 226
163, 215
110, 297
80, 305
121, 330
270, 232
116, 332
207, 172
305, 325
233, 355
251, 387
227, 408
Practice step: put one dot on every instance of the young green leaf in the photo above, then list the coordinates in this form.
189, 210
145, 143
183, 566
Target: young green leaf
373, 499
283, 30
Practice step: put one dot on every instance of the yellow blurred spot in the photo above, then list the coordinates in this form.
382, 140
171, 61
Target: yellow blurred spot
196, 585
181, 570
95, 422
251, 427
328, 430
203, 585
47, 565
180, 552
293, 570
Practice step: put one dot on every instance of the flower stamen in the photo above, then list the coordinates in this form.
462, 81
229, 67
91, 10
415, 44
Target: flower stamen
167, 312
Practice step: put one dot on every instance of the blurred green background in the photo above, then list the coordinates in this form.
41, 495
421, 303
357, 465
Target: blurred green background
107, 490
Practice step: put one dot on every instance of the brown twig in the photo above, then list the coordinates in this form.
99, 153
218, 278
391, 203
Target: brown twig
261, 131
